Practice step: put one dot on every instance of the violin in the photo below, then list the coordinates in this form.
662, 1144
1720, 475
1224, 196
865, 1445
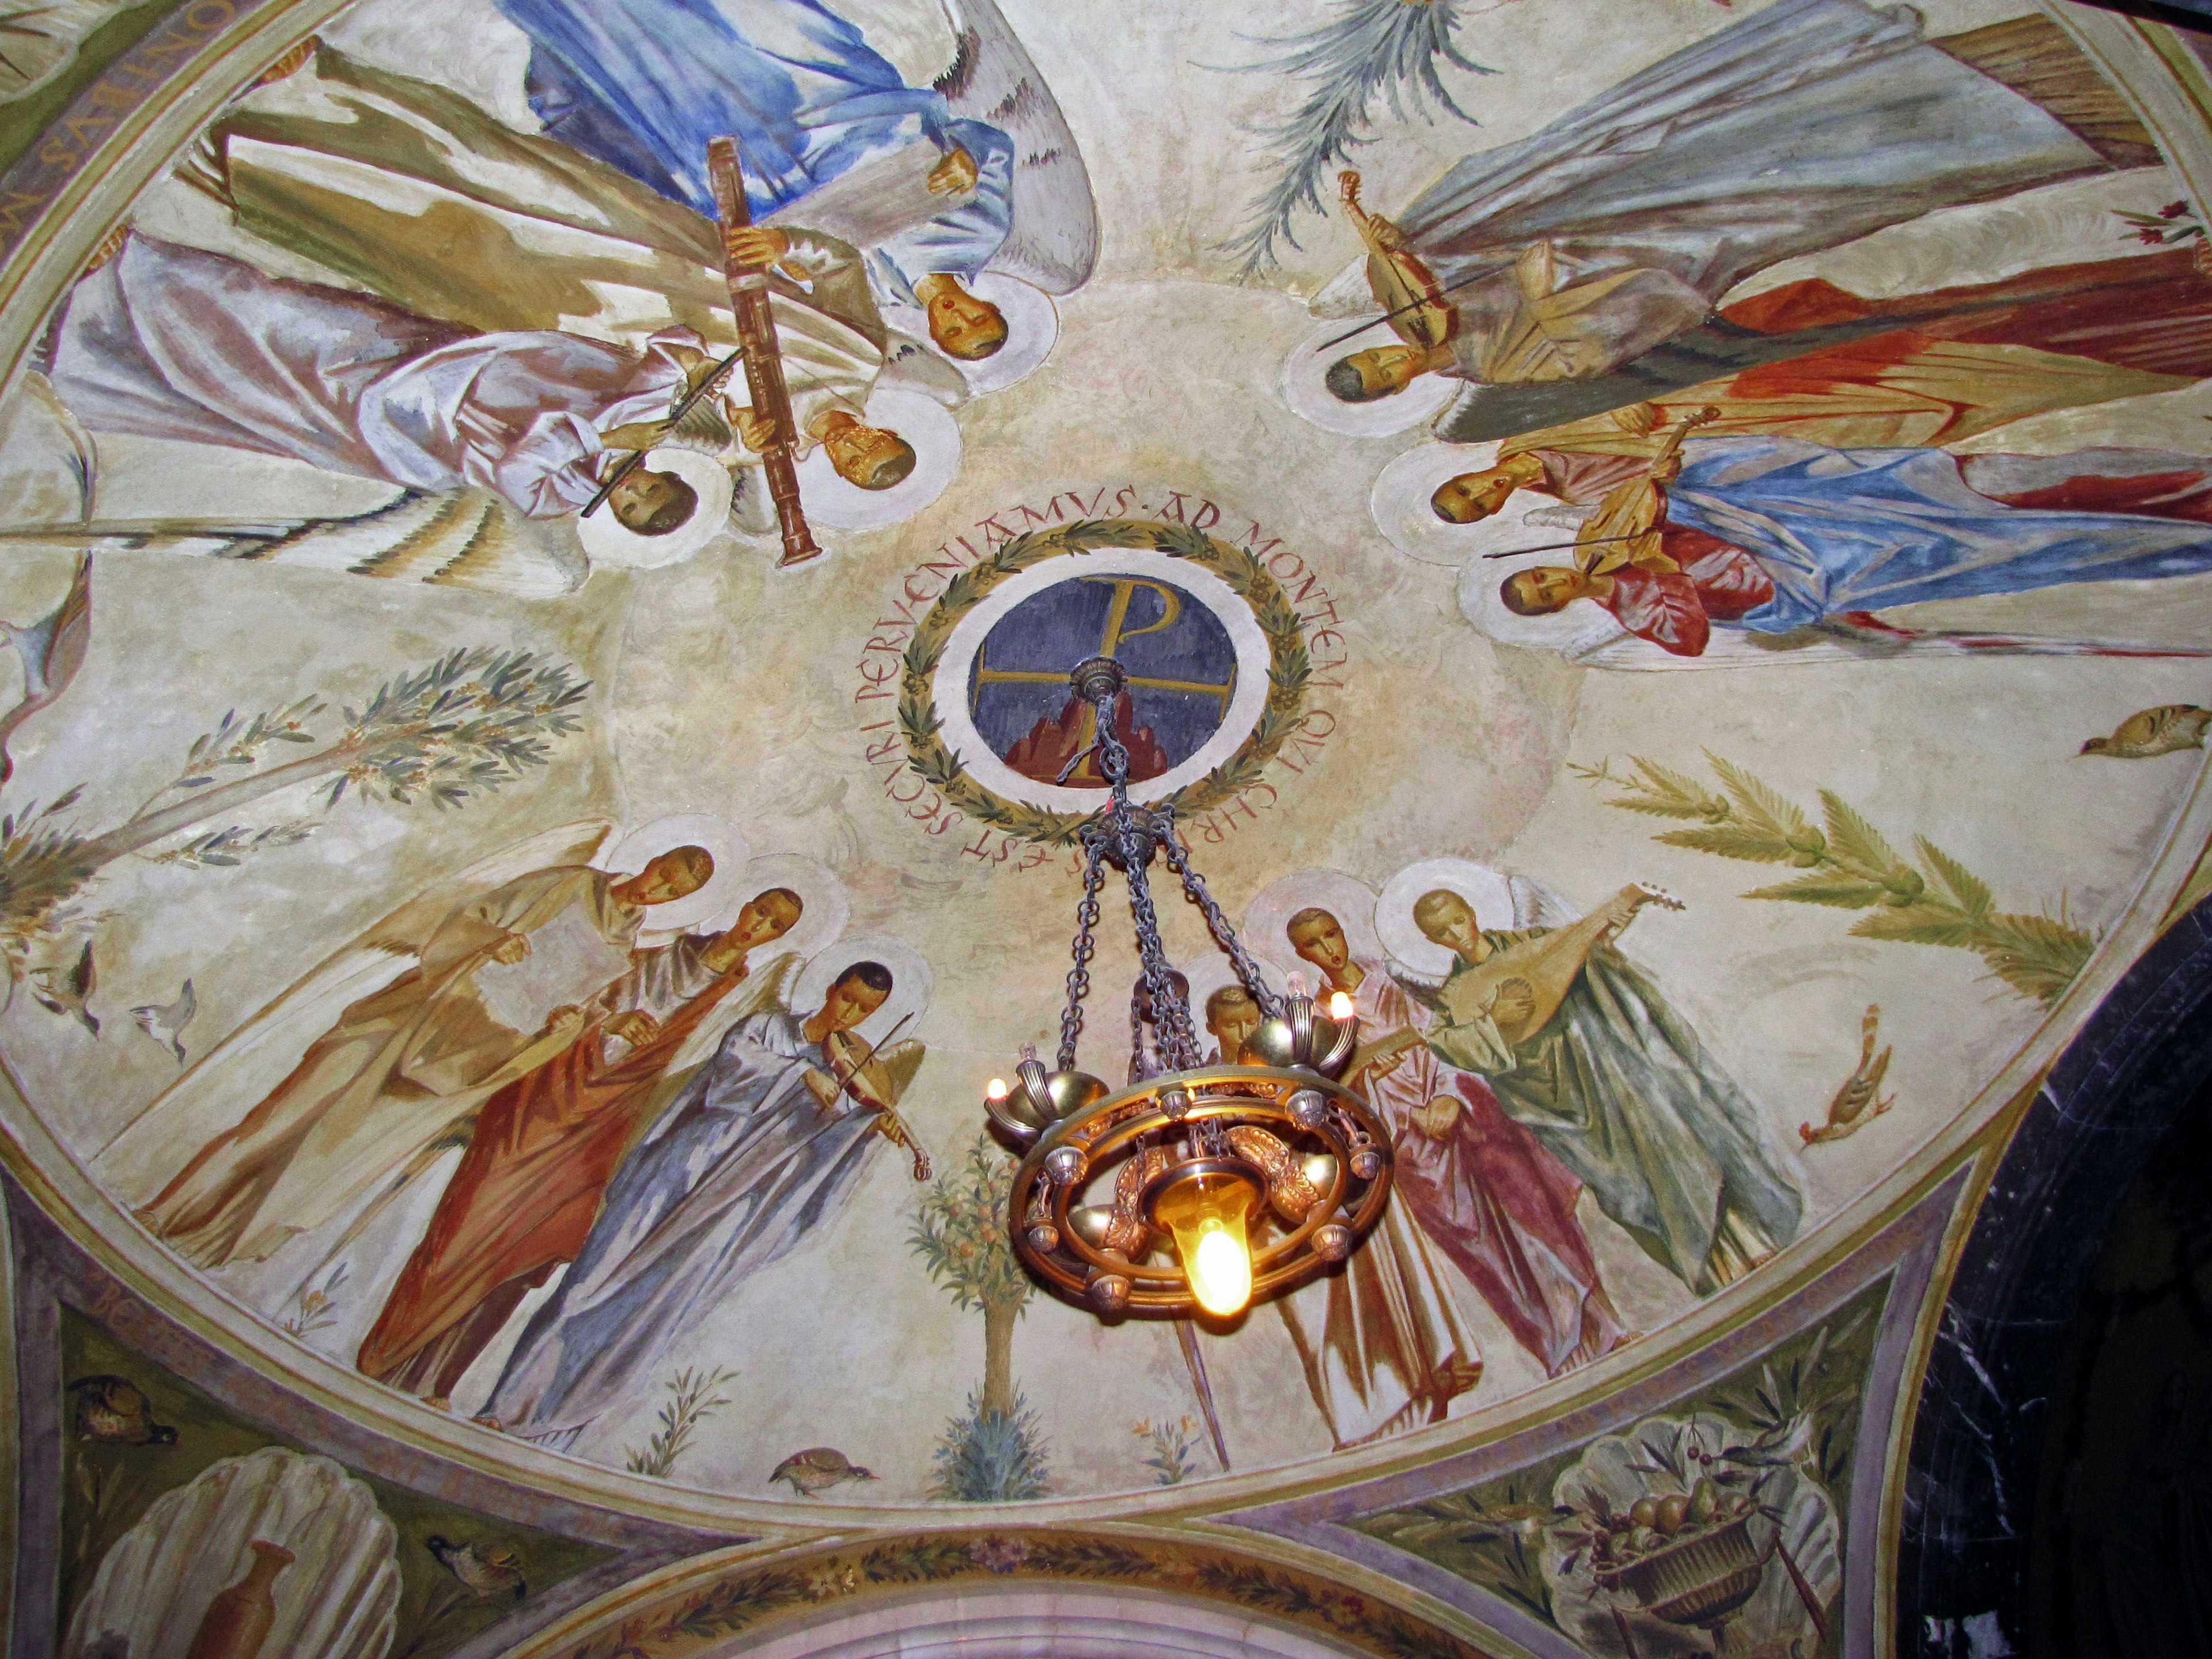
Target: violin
1411, 298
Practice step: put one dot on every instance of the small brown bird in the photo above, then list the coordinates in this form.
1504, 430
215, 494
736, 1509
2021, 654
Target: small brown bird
486, 1569
2159, 731
113, 1411
816, 1468
1849, 1110
61, 990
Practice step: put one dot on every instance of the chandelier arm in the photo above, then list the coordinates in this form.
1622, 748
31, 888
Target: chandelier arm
1078, 977
1248, 970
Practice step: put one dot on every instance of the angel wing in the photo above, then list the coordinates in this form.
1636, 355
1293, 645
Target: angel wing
1535, 905
1053, 243
763, 989
900, 1061
471, 538
246, 1065
40, 38
1421, 988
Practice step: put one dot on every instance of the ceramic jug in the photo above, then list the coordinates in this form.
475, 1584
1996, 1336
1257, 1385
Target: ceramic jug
238, 1621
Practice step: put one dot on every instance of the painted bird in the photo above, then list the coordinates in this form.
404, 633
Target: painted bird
113, 1411
63, 990
816, 1468
1849, 1109
166, 1025
52, 649
2159, 731
486, 1569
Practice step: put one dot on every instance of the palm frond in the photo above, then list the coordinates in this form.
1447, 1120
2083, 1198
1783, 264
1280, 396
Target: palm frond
1369, 51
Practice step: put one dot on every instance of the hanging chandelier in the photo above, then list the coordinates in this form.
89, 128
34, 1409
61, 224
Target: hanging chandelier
1202, 1186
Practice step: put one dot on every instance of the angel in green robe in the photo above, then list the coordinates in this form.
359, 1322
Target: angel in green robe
1618, 1087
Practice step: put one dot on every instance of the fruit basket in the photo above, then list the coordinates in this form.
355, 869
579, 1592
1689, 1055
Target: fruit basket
1699, 1578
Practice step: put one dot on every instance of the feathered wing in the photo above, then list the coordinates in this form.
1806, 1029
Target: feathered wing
248, 1064
900, 1061
1053, 243
763, 989
1535, 905
1423, 988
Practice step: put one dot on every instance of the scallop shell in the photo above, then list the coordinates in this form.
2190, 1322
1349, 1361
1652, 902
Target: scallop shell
339, 1599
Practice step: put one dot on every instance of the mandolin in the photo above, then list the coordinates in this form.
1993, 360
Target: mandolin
1547, 964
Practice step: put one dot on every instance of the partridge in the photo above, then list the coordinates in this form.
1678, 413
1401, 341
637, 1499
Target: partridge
2159, 731
816, 1468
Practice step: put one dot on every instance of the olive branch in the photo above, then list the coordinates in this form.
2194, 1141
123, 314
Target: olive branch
1848, 866
1289, 669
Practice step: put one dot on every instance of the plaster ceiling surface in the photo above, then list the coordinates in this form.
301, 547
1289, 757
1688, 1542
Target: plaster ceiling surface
1877, 837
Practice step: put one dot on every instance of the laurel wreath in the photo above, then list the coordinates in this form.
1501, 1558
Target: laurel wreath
1288, 668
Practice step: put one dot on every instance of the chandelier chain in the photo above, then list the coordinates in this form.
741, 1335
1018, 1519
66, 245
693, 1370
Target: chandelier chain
1178, 1044
1078, 977
1195, 889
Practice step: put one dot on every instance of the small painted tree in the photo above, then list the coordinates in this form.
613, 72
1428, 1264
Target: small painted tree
462, 727
994, 1452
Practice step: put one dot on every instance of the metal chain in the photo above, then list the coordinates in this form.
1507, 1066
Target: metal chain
1177, 1043
1195, 889
1078, 977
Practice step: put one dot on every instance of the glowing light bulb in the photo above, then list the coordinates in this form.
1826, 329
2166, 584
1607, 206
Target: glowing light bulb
995, 1090
1339, 1006
1221, 1269
1208, 1214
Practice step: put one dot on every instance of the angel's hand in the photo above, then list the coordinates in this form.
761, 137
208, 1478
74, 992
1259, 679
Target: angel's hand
821, 1085
511, 949
953, 175
635, 434
563, 1020
757, 432
921, 1169
757, 244
1515, 1002
634, 1027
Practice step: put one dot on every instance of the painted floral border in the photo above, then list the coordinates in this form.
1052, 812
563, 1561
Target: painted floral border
701, 1615
1288, 668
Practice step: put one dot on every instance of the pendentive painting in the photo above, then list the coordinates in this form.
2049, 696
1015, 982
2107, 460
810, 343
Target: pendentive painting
1659, 549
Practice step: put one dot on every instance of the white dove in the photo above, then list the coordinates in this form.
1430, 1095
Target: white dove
166, 1025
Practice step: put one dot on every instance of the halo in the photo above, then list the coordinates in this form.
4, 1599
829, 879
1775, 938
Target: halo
1351, 902
1400, 502
608, 543
1305, 391
1488, 892
924, 423
910, 980
717, 834
1583, 627
1032, 330
825, 908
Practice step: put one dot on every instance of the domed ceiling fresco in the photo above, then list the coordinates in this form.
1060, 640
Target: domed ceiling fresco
533, 806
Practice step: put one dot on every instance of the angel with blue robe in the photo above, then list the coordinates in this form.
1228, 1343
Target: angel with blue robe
822, 118
1772, 536
766, 1142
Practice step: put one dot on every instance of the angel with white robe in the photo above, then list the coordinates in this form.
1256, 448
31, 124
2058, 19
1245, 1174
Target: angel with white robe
410, 1055
544, 1148
169, 342
765, 1144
